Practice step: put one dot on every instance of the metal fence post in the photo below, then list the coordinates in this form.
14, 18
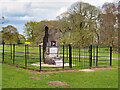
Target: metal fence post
25, 56
70, 56
63, 56
110, 56
67, 52
27, 51
90, 55
3, 52
96, 55
40, 55
13, 53
79, 54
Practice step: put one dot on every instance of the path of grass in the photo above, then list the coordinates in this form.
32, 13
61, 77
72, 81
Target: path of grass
19, 78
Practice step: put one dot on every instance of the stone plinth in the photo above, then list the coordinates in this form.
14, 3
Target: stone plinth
51, 45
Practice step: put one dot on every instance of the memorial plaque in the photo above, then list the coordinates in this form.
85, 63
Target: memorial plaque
53, 52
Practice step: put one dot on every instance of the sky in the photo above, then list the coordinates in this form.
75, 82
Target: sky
19, 12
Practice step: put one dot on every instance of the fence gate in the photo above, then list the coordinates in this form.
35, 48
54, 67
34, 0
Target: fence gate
79, 57
100, 56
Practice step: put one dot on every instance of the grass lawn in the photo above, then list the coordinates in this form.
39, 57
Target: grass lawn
13, 77
19, 78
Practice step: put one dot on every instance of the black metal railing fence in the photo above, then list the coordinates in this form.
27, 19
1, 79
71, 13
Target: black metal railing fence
72, 57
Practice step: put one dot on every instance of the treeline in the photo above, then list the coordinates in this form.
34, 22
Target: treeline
82, 24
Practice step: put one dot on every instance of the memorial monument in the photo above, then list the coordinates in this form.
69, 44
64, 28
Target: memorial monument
51, 46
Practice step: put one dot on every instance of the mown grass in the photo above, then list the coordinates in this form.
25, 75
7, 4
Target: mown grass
19, 78
13, 77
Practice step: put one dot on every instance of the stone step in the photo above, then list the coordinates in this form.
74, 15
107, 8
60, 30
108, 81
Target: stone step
59, 62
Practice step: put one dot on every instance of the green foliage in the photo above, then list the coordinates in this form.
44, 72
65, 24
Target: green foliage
10, 34
81, 22
34, 31
21, 39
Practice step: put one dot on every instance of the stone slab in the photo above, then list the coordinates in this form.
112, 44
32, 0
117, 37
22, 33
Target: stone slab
47, 65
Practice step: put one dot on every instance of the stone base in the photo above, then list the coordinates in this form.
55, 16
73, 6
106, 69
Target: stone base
50, 61
59, 62
54, 61
48, 65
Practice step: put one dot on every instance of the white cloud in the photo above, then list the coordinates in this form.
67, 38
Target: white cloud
13, 8
24, 10
116, 0
25, 18
97, 2
40, 7
63, 9
38, 0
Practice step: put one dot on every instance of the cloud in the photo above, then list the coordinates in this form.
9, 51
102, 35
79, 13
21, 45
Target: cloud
44, 10
63, 9
25, 18
15, 8
38, 0
47, 11
21, 11
97, 2
116, 0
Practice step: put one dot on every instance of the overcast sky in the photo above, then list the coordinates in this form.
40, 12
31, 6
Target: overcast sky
18, 12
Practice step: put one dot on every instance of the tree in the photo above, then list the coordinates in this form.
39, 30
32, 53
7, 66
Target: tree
2, 21
118, 16
80, 23
108, 31
21, 39
29, 29
39, 31
35, 30
10, 34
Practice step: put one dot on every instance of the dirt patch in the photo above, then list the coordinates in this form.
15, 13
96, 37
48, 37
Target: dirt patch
57, 83
54, 71
97, 68
64, 70
70, 70
87, 70
103, 68
37, 78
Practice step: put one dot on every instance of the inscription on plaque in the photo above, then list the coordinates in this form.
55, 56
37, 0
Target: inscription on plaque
53, 52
